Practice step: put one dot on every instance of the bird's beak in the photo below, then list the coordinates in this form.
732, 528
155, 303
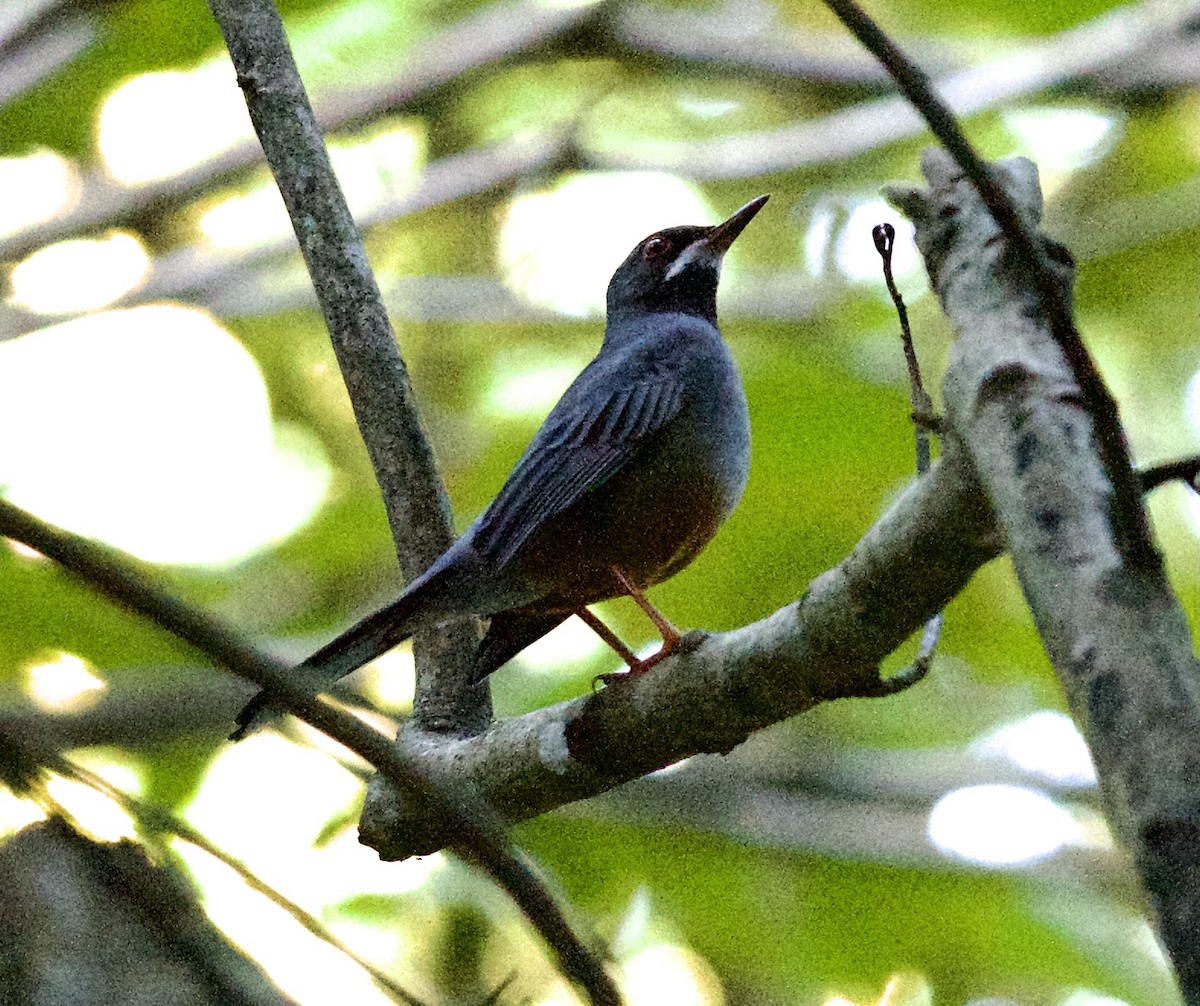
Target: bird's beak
712, 247
722, 236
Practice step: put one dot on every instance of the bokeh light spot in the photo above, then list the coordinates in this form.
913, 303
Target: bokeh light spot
1085, 997
17, 812
49, 186
390, 681
528, 386
100, 271
150, 429
560, 246
64, 683
158, 125
998, 825
1046, 743
98, 815
570, 643
670, 974
1062, 139
379, 167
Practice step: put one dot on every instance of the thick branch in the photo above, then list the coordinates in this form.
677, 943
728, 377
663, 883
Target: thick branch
375, 375
709, 699
1034, 259
1115, 633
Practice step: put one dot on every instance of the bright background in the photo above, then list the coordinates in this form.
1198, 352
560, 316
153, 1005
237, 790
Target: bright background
166, 385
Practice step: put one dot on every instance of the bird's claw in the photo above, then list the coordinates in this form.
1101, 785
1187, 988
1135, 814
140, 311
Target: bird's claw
609, 679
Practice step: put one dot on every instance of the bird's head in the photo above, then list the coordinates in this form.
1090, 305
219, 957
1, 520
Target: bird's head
676, 269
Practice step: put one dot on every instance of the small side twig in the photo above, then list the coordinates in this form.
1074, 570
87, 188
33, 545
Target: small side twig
884, 236
477, 836
1185, 470
1030, 255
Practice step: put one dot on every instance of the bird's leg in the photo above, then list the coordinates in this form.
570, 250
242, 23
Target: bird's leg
610, 637
670, 634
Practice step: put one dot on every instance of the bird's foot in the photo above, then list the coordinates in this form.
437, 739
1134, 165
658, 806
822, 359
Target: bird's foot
639, 667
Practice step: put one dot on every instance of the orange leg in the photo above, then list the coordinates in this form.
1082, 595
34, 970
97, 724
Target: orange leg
610, 637
669, 633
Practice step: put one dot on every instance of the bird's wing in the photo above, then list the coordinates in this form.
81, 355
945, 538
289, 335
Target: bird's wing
577, 450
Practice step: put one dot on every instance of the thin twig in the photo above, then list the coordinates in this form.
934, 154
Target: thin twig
884, 236
1029, 255
475, 838
1185, 470
157, 820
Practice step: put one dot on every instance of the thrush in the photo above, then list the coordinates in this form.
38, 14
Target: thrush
632, 473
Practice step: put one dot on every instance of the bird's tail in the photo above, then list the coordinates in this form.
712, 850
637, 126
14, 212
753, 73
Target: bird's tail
358, 645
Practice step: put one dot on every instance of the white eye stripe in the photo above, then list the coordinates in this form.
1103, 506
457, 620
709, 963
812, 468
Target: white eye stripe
686, 257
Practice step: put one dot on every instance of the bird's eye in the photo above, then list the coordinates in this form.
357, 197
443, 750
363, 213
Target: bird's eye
655, 247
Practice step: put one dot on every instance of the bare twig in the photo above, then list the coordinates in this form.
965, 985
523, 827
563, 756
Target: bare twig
477, 837
156, 820
1185, 470
884, 236
375, 375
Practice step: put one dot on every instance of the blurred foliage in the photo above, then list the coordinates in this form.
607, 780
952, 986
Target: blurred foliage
779, 921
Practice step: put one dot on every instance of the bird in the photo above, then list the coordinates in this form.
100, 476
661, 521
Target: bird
633, 471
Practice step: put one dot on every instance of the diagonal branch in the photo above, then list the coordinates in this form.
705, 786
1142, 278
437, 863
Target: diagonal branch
1032, 257
477, 836
1113, 630
721, 687
375, 375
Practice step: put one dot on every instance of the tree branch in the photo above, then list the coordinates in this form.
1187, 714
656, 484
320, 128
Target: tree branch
1032, 257
710, 697
1115, 633
477, 836
375, 375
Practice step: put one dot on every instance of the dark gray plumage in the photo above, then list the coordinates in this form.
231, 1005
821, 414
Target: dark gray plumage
631, 474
